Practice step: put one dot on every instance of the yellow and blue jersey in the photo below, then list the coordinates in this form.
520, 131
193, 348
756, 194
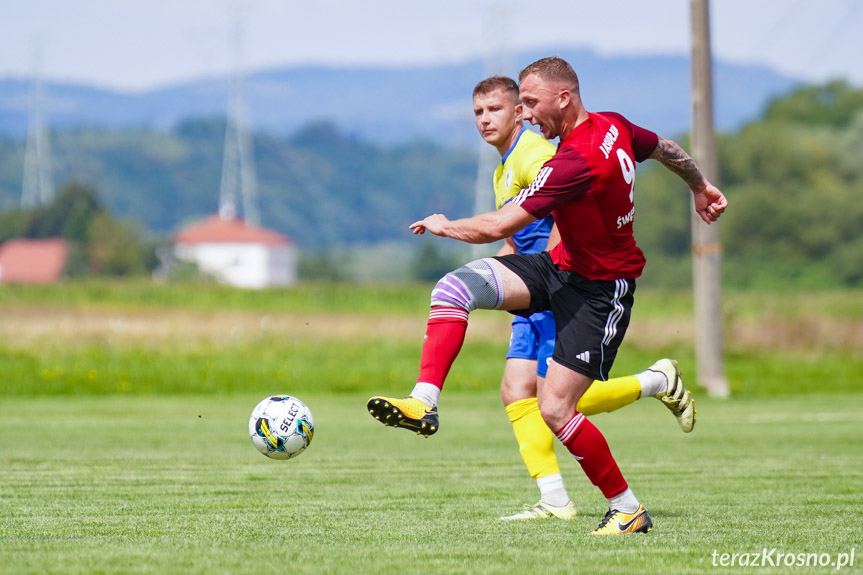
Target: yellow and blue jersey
517, 169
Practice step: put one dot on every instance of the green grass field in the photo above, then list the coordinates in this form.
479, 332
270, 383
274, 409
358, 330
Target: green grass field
124, 447
173, 485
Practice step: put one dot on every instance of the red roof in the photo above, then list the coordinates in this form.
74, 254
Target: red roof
217, 230
32, 261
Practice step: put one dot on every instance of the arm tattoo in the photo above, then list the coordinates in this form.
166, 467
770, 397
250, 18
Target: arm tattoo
672, 156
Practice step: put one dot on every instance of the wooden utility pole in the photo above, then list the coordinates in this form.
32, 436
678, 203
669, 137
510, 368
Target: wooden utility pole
706, 250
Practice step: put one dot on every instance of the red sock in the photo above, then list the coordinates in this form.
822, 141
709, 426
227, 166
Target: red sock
589, 447
443, 340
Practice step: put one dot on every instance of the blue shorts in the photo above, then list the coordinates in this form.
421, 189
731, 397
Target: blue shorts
533, 338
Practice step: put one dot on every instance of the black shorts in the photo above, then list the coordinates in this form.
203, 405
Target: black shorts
591, 316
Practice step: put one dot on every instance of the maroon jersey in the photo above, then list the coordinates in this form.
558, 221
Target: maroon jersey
588, 186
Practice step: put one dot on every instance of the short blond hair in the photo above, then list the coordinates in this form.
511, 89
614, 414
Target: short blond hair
552, 69
489, 85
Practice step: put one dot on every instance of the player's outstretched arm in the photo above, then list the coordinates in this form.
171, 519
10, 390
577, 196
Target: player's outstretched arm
709, 201
480, 229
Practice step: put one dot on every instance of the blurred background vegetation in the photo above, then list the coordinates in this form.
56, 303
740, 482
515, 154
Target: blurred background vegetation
794, 178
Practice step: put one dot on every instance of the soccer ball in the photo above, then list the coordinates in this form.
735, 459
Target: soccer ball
281, 426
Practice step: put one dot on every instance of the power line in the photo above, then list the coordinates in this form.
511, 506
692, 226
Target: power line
831, 38
769, 35
783, 33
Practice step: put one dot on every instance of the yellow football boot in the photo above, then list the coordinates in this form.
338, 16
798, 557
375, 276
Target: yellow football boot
543, 511
408, 413
676, 397
617, 522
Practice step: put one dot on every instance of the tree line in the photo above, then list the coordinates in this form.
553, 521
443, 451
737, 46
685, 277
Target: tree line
99, 243
793, 178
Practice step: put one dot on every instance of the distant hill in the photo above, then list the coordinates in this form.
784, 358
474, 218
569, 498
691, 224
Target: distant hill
320, 187
395, 105
348, 201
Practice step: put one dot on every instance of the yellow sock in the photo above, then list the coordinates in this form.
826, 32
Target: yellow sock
535, 439
603, 396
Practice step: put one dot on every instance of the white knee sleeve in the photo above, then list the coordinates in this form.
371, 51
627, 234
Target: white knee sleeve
473, 286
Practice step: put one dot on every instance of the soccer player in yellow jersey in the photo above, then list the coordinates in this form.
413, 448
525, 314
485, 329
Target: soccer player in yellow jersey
497, 112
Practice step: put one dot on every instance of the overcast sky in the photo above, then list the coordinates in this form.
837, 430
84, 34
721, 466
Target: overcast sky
134, 45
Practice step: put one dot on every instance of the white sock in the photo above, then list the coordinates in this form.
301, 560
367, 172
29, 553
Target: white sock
625, 502
428, 393
552, 491
652, 383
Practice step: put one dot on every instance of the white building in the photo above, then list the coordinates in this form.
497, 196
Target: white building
237, 253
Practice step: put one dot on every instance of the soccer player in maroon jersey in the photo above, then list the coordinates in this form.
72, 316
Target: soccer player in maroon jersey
587, 280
